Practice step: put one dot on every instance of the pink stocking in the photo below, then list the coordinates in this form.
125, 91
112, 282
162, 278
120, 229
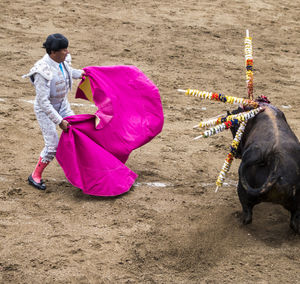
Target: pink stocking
37, 173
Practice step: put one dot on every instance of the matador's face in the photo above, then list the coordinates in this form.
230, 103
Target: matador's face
60, 55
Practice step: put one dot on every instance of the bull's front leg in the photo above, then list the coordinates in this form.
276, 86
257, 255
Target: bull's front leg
295, 221
247, 204
295, 212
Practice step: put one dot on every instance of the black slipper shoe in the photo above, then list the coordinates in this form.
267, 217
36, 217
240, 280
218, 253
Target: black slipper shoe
40, 186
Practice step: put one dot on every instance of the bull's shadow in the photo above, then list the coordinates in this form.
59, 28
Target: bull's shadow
270, 225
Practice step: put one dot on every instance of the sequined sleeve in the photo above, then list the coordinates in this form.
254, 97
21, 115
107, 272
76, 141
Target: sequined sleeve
76, 73
42, 98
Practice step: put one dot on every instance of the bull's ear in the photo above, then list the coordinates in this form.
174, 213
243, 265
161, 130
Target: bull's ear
228, 112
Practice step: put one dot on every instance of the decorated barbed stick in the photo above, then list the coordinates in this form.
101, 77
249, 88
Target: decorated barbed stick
249, 65
228, 161
212, 119
222, 119
230, 121
216, 121
217, 129
219, 97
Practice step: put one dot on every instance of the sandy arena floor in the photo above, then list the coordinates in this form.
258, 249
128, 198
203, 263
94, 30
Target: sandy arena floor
171, 227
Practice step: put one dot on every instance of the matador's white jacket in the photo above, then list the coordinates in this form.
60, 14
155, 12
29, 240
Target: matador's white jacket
51, 104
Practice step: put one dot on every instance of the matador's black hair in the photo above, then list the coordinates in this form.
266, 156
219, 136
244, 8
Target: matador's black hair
55, 42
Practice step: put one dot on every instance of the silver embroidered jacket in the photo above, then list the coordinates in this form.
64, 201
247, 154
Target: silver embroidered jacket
52, 86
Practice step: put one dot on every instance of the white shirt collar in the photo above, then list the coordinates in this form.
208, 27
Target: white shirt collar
51, 61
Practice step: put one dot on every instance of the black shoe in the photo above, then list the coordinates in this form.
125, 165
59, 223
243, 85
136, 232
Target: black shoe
40, 186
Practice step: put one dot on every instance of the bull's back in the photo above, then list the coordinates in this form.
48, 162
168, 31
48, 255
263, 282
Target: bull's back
270, 155
269, 129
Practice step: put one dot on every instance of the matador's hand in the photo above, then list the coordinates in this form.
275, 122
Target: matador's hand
64, 125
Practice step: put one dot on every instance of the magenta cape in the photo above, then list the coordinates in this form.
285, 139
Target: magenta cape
93, 152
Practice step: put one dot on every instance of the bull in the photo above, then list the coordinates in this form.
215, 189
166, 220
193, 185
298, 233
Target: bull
270, 165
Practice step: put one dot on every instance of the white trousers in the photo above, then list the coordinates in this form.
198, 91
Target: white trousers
49, 130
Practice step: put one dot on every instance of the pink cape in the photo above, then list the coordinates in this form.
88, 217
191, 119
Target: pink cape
92, 153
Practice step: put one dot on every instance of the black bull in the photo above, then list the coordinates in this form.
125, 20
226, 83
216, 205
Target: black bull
270, 166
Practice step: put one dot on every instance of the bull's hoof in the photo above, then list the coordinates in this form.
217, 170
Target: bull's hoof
247, 218
295, 223
295, 228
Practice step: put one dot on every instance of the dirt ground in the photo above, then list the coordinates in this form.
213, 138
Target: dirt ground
171, 227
